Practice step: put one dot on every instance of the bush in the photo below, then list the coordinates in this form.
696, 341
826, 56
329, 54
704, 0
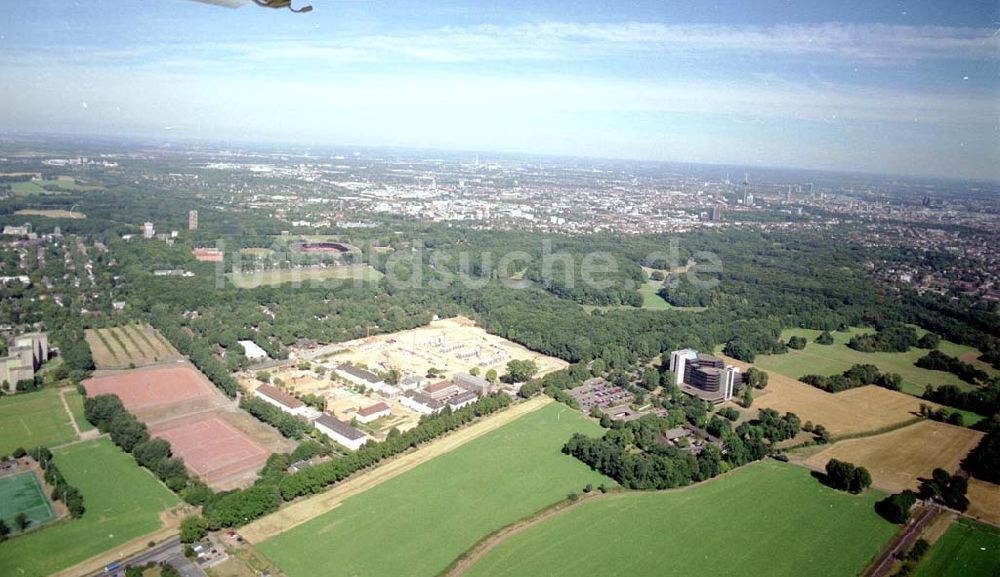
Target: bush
193, 529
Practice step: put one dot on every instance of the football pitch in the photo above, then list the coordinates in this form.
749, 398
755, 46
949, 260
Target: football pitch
419, 522
122, 502
767, 518
34, 419
967, 549
21, 493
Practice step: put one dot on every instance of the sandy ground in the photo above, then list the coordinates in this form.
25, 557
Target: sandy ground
451, 345
143, 346
853, 411
897, 459
303, 510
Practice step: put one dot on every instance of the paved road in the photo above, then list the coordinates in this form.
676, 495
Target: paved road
169, 551
903, 540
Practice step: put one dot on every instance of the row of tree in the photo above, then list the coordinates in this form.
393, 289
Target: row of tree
890, 339
938, 361
286, 424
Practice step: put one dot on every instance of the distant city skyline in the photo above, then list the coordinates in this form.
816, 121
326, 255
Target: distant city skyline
892, 88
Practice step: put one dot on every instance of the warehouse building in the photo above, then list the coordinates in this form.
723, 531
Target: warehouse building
341, 433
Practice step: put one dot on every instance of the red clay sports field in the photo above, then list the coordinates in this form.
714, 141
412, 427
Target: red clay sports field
211, 448
151, 388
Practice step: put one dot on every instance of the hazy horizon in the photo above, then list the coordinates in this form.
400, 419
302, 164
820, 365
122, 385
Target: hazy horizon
891, 88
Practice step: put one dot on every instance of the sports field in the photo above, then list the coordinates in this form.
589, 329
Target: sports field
211, 448
33, 419
345, 275
21, 493
968, 549
836, 358
123, 501
152, 388
897, 459
767, 518
417, 523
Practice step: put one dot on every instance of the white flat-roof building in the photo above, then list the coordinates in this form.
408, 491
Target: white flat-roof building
678, 360
420, 402
253, 351
341, 433
359, 376
463, 399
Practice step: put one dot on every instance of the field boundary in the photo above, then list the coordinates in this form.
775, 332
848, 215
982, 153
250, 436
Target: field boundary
303, 510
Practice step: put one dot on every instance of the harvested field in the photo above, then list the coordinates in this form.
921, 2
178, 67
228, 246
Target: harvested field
145, 391
212, 448
860, 410
897, 459
129, 346
984, 501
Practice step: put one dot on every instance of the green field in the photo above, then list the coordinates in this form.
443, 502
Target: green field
21, 493
419, 522
27, 187
75, 402
650, 301
837, 358
967, 549
123, 502
344, 275
33, 419
767, 518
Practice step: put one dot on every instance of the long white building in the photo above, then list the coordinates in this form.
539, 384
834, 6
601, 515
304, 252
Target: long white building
341, 433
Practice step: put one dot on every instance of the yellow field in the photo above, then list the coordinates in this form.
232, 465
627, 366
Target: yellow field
984, 501
853, 411
129, 346
417, 350
897, 459
51, 213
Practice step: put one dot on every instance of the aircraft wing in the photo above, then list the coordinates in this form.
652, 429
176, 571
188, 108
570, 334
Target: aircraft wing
226, 3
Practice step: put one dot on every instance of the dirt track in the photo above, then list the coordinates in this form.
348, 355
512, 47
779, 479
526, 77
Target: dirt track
311, 507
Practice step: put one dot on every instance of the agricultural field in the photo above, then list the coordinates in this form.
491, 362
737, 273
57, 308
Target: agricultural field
967, 549
311, 276
434, 512
129, 346
860, 410
898, 458
123, 502
837, 358
22, 493
51, 213
984, 501
33, 419
766, 518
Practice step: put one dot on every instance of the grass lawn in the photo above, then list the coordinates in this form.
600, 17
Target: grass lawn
419, 522
967, 549
342, 275
75, 402
32, 419
768, 518
123, 502
21, 493
837, 358
27, 187
650, 301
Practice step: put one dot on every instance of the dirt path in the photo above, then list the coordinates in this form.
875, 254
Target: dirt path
301, 511
492, 541
69, 413
903, 540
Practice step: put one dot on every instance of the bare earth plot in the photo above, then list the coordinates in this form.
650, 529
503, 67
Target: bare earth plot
897, 459
859, 410
154, 392
47, 213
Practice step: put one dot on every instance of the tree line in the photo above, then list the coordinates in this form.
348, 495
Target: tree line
856, 376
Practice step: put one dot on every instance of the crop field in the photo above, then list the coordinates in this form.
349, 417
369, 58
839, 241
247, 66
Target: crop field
123, 502
837, 358
21, 493
766, 518
129, 346
896, 459
859, 410
32, 419
967, 549
984, 501
432, 513
337, 275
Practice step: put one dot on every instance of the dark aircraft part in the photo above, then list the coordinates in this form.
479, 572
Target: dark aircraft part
281, 4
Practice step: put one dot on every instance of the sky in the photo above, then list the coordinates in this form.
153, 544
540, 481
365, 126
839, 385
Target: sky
867, 86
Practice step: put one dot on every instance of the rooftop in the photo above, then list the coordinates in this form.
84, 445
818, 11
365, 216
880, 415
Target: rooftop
342, 429
280, 396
